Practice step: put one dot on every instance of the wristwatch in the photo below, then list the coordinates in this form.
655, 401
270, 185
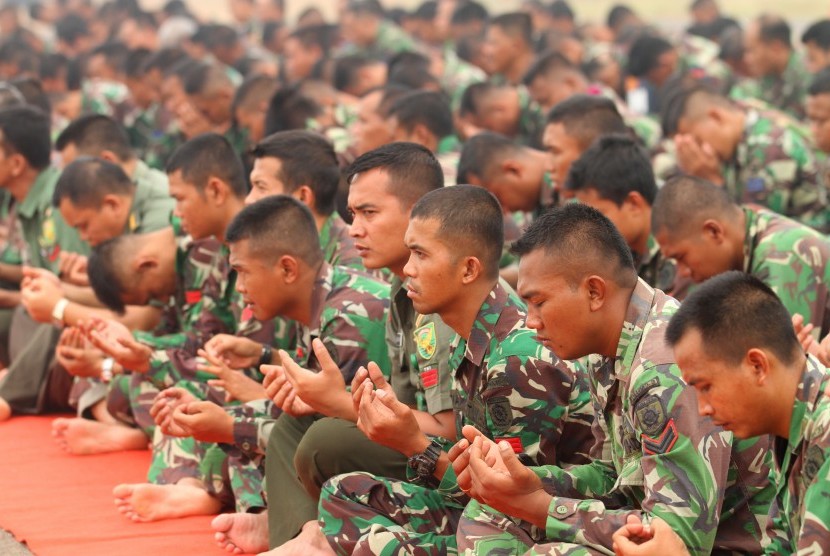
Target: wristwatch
425, 462
106, 369
58, 311
265, 358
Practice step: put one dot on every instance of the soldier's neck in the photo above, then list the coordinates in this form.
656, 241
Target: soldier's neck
462, 313
20, 186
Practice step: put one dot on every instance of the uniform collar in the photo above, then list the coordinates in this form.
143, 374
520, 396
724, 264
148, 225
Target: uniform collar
636, 316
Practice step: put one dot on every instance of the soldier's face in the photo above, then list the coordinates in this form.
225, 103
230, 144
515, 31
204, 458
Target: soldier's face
628, 217
557, 312
256, 281
299, 59
700, 254
757, 56
731, 394
379, 222
191, 207
816, 57
818, 113
564, 150
95, 225
265, 180
434, 273
498, 49
370, 130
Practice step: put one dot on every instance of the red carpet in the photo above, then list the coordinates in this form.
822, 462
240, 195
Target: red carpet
62, 505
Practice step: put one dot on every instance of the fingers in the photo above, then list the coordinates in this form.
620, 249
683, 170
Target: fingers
376, 375
325, 359
470, 433
361, 375
291, 368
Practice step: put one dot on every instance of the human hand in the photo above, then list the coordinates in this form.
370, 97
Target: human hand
115, 339
237, 352
75, 354
236, 385
698, 159
165, 403
325, 391
279, 389
636, 538
39, 296
370, 377
73, 268
388, 422
204, 421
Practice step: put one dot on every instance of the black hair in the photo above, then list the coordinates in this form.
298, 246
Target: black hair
775, 29
820, 84
614, 166
469, 218
115, 53
469, 12
206, 156
276, 226
645, 53
617, 14
255, 90
546, 64
164, 59
427, 108
684, 200
71, 27
481, 152
32, 90
20, 53
583, 241
366, 7
586, 117
516, 25
26, 131
560, 9
86, 180
818, 33
306, 158
735, 312
94, 133
346, 70
107, 273
322, 36
412, 170
290, 109
201, 76
135, 64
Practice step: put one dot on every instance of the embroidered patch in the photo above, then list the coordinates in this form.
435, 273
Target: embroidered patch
429, 378
663, 443
191, 297
425, 341
812, 463
651, 415
500, 413
474, 411
638, 393
515, 443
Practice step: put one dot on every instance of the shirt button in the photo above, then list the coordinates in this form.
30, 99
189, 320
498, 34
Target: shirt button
246, 446
561, 510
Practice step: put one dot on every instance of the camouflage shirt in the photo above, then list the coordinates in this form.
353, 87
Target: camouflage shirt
646, 128
656, 270
803, 485
338, 246
655, 454
148, 131
792, 259
389, 41
348, 313
786, 92
774, 165
512, 388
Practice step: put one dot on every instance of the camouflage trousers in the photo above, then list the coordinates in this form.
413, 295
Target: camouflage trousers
364, 514
303, 454
483, 530
129, 400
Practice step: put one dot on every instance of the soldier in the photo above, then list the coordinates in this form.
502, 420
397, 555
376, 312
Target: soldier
816, 41
735, 345
508, 47
304, 49
818, 114
366, 31
697, 224
652, 454
303, 164
779, 77
758, 156
250, 103
425, 118
281, 272
615, 177
370, 129
507, 386
501, 108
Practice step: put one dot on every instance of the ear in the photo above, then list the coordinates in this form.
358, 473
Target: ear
18, 164
595, 290
145, 262
713, 230
112, 201
511, 167
216, 190
423, 136
471, 271
288, 269
304, 194
758, 364
109, 156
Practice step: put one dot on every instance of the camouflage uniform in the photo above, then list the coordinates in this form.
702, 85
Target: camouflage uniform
774, 166
148, 131
657, 271
793, 260
98, 96
646, 128
458, 75
506, 385
389, 41
786, 92
803, 485
531, 120
654, 455
338, 246
448, 154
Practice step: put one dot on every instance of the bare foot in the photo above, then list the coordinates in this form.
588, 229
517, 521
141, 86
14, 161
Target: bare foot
5, 410
310, 541
241, 533
147, 502
83, 437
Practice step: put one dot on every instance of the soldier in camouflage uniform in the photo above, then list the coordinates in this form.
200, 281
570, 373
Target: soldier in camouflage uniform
96, 96
781, 79
615, 177
366, 32
653, 456
790, 258
501, 108
713, 334
506, 385
758, 156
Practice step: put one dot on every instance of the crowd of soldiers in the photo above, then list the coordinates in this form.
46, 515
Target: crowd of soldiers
236, 245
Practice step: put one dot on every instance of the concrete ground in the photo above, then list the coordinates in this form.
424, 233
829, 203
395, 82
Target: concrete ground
10, 547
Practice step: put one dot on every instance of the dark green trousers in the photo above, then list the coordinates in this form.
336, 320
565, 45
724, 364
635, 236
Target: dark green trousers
303, 454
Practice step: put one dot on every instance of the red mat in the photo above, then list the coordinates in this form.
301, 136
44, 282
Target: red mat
62, 505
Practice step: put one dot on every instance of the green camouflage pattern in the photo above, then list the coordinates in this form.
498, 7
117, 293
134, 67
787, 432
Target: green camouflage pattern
338, 246
655, 269
150, 131
803, 485
389, 41
792, 260
645, 127
510, 388
458, 75
654, 456
786, 92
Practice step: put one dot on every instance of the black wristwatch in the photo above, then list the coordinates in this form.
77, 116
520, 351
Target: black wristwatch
424, 463
265, 358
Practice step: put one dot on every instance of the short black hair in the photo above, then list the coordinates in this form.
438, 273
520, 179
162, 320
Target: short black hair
677, 102
206, 156
71, 27
165, 59
469, 12
20, 53
26, 131
820, 84
322, 36
135, 64
583, 241
347, 68
586, 117
32, 90
735, 312
94, 133
366, 7
412, 169
276, 226
203, 77
516, 25
774, 29
560, 9
546, 64
645, 53
427, 108
481, 152
86, 180
614, 166
617, 14
469, 218
685, 200
255, 90
818, 33
306, 158
290, 109
108, 270
115, 53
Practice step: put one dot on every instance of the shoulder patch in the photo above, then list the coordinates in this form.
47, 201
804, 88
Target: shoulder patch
651, 415
638, 393
663, 443
500, 412
425, 341
813, 462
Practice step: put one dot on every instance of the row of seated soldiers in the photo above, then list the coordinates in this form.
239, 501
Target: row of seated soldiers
404, 381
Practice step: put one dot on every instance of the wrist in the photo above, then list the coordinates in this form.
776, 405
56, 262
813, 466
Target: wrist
107, 365
266, 355
418, 445
537, 506
59, 312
